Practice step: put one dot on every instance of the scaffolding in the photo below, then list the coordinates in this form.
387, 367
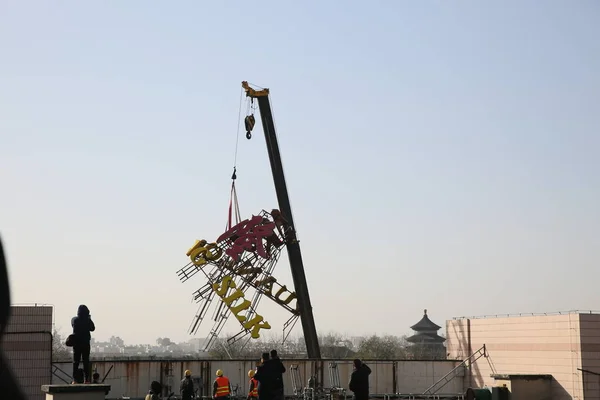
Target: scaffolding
437, 386
257, 270
336, 391
297, 386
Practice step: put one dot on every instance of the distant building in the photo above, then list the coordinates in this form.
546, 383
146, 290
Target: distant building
356, 341
426, 343
337, 352
197, 344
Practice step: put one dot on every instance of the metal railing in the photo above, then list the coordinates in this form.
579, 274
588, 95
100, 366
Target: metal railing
528, 314
433, 389
415, 396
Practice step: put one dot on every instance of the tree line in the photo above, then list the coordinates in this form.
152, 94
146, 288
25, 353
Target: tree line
333, 345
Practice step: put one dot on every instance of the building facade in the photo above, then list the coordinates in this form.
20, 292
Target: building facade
563, 345
27, 345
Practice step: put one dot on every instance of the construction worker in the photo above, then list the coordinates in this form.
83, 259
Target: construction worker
186, 388
221, 387
155, 391
253, 392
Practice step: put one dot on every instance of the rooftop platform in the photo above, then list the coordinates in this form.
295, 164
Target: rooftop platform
76, 392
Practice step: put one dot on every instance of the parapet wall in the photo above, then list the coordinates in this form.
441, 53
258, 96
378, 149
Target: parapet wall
132, 378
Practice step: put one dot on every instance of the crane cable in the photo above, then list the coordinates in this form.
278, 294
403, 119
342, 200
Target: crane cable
237, 135
234, 207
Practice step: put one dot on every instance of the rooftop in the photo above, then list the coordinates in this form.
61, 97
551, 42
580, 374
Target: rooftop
426, 338
528, 314
527, 377
425, 324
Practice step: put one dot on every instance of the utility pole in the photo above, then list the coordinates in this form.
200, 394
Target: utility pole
293, 247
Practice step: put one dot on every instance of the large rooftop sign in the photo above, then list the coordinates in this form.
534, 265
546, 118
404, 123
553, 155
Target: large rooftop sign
237, 267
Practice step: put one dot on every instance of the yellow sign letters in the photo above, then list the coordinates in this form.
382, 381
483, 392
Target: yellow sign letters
255, 324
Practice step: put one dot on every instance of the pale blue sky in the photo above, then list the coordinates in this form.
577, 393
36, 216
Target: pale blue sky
439, 155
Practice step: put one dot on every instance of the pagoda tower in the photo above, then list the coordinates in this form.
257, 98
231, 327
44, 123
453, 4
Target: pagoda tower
426, 343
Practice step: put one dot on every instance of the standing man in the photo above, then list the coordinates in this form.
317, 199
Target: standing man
221, 387
278, 371
186, 388
359, 381
266, 378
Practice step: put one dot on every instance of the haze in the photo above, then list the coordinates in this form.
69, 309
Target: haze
439, 155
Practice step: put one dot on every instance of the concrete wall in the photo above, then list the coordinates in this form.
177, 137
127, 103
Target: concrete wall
547, 344
523, 389
589, 326
27, 345
132, 378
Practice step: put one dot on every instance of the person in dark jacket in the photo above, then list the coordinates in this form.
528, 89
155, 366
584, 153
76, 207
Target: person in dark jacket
82, 326
9, 386
278, 370
359, 381
266, 375
155, 391
186, 388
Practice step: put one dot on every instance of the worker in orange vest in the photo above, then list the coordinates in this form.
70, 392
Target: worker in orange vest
253, 392
221, 387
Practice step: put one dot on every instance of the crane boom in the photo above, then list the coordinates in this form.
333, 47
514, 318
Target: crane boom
293, 247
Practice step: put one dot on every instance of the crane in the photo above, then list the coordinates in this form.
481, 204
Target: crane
293, 247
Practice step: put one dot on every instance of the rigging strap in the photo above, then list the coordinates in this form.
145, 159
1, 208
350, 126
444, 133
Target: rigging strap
234, 207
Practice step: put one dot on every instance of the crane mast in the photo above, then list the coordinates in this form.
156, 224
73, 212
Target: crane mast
293, 247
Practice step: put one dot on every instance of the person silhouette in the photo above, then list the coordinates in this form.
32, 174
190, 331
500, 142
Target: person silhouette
82, 326
9, 387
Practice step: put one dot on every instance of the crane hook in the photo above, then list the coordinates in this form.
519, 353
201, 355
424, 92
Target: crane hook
249, 122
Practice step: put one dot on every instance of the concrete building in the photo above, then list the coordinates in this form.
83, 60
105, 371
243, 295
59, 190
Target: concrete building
27, 345
562, 349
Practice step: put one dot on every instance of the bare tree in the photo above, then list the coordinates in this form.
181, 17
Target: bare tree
242, 349
266, 344
331, 339
294, 347
427, 351
332, 344
335, 345
60, 352
383, 348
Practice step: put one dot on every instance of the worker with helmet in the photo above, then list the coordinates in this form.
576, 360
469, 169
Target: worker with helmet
253, 392
221, 387
155, 391
186, 389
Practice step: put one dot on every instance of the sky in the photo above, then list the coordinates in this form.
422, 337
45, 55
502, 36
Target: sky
438, 155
